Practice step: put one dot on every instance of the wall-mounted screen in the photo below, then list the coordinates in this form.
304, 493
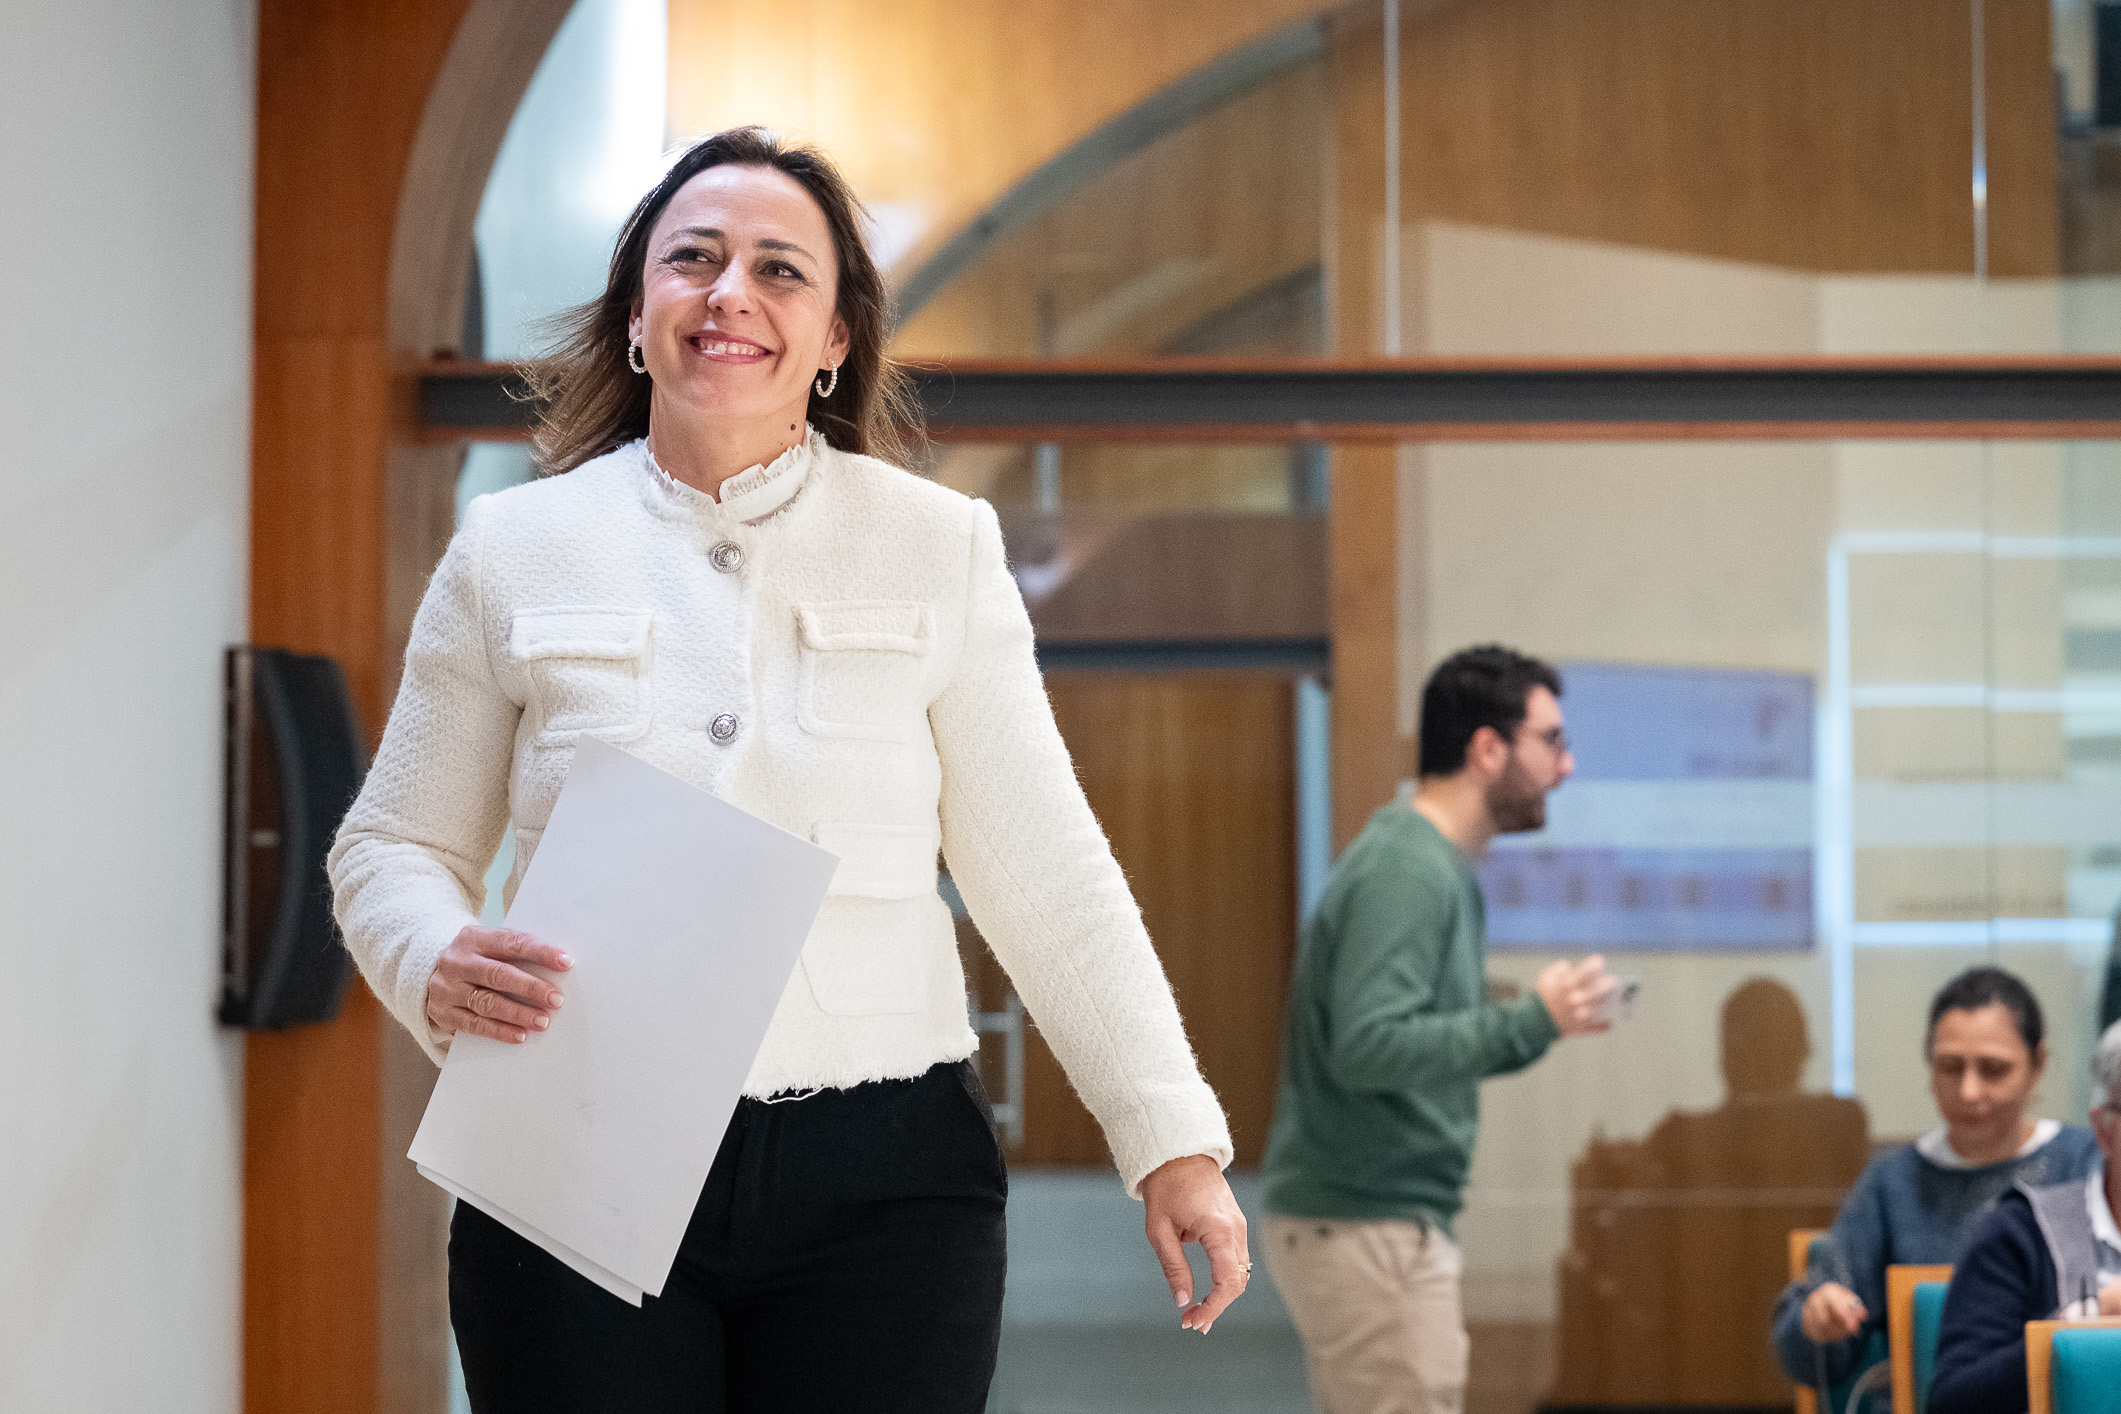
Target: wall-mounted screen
1687, 826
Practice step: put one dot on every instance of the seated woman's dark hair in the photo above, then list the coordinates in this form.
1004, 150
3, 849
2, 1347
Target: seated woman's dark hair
595, 403
1979, 987
1478, 687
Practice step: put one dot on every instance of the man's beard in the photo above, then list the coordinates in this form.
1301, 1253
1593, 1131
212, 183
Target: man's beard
1515, 804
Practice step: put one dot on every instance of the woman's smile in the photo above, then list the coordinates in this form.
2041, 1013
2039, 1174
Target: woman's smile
720, 349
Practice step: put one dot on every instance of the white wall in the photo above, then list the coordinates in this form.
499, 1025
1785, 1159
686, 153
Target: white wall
126, 140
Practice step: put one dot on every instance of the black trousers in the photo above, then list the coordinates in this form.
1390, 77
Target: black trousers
846, 1254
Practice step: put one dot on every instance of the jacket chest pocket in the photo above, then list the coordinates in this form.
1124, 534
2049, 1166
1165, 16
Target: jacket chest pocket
862, 668
587, 669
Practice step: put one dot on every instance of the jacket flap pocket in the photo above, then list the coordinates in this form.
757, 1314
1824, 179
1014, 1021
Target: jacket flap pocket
880, 625
856, 968
579, 633
880, 861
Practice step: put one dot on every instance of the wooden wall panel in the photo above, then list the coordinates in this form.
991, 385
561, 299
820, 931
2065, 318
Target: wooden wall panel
1829, 135
1193, 778
320, 431
342, 85
311, 1187
1362, 558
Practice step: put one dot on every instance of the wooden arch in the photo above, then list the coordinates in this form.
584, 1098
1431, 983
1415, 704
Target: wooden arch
378, 121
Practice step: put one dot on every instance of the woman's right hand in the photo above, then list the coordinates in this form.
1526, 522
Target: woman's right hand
477, 987
1832, 1313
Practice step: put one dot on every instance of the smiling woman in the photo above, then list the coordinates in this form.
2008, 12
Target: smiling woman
738, 280
719, 572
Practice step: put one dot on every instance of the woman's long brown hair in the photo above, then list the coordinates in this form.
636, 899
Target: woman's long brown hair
594, 402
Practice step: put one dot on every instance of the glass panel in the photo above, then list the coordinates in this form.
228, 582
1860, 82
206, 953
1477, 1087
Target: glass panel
1865, 682
2087, 61
1529, 178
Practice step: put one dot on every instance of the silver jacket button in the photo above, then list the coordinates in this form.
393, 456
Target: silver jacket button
728, 557
723, 728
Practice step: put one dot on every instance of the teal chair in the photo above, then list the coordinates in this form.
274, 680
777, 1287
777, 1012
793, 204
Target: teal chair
1929, 1320
1914, 1343
2086, 1371
2092, 1351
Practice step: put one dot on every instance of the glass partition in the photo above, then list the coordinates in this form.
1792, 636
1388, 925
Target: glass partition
1520, 178
1845, 718
1842, 731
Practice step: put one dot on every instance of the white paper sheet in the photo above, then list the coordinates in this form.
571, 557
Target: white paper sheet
617, 1286
684, 915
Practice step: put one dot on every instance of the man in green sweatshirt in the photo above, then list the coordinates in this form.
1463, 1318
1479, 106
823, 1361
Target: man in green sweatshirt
1390, 1033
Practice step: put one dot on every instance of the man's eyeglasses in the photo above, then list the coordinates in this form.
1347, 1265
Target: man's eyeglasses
1556, 739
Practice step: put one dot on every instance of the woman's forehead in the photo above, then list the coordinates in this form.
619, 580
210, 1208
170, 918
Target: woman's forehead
747, 203
1976, 1029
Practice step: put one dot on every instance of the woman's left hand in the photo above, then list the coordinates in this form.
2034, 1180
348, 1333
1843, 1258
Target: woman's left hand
1187, 1200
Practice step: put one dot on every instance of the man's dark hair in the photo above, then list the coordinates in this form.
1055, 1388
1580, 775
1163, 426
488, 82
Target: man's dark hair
1473, 688
1978, 987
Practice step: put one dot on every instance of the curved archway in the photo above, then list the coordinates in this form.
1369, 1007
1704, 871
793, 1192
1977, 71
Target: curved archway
375, 134
490, 63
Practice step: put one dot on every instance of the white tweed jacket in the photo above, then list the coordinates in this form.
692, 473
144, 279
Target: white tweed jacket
856, 667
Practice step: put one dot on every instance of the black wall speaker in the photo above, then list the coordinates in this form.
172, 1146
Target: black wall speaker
294, 763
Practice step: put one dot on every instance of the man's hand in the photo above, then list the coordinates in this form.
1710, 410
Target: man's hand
1575, 994
1187, 1200
1833, 1312
477, 987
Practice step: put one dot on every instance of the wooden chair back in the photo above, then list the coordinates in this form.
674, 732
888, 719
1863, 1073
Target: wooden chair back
1900, 1284
1801, 1239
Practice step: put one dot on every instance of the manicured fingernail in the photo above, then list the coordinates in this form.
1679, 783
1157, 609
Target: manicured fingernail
557, 1001
1185, 1299
1208, 1327
542, 1022
566, 959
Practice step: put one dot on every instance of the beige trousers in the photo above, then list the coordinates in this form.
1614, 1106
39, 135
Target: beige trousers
1378, 1308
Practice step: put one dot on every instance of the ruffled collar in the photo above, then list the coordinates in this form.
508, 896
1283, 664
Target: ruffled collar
754, 493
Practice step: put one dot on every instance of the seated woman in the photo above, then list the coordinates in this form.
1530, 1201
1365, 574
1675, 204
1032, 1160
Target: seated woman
1921, 1203
2045, 1253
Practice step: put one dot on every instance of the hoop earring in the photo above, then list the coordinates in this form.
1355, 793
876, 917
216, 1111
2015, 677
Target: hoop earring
633, 354
824, 389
